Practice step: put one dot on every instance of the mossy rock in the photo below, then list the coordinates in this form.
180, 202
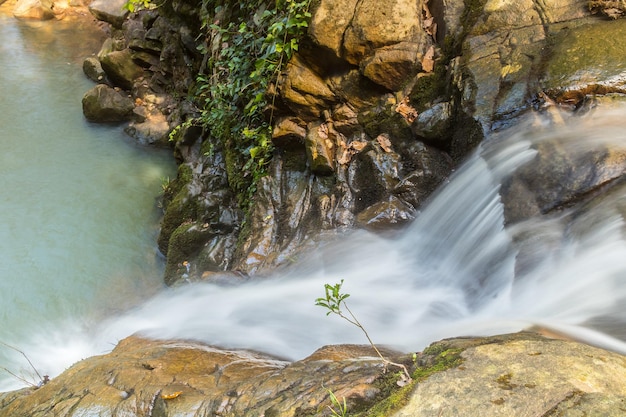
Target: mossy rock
586, 60
384, 119
184, 244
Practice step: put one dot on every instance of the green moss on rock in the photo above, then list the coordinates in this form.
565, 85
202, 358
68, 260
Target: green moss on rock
436, 358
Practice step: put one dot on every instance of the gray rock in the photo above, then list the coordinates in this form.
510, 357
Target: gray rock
104, 104
120, 68
110, 11
93, 70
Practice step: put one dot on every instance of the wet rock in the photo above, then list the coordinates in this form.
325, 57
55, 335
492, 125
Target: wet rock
432, 167
586, 61
433, 124
104, 104
120, 68
563, 173
386, 215
373, 174
34, 9
110, 11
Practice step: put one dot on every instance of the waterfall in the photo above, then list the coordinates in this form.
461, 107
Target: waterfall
451, 273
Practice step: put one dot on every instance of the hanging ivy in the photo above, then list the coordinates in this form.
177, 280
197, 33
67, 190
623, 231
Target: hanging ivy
245, 46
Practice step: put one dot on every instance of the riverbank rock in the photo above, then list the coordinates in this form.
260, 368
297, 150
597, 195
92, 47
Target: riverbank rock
34, 9
110, 11
521, 374
105, 104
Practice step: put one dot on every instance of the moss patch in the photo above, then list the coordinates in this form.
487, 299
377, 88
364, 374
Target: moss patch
436, 358
586, 60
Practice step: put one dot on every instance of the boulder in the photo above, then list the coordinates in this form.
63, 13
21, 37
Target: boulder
34, 9
386, 215
304, 91
329, 23
121, 68
523, 376
566, 171
585, 60
393, 66
377, 24
110, 11
105, 104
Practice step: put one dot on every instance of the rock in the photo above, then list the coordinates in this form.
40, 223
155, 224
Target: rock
167, 378
586, 61
304, 91
153, 131
104, 104
320, 148
120, 68
433, 124
110, 11
289, 132
34, 9
377, 24
329, 23
386, 215
563, 173
522, 376
393, 66
93, 70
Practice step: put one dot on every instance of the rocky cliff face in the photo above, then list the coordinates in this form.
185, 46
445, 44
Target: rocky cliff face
374, 111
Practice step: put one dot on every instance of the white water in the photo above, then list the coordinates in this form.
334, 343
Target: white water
450, 274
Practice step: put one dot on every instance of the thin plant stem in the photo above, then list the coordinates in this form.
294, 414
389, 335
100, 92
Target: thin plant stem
27, 359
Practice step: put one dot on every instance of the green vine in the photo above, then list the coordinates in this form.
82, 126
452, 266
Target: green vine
246, 45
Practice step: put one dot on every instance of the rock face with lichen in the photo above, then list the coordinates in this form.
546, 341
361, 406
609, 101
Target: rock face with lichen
523, 375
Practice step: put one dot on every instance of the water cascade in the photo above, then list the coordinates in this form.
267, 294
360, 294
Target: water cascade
453, 272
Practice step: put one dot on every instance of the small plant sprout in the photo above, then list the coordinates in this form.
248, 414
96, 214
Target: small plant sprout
333, 303
338, 408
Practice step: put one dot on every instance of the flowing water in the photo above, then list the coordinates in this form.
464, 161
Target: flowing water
78, 204
451, 273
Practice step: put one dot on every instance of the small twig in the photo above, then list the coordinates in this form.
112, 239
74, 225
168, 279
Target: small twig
385, 360
19, 377
27, 360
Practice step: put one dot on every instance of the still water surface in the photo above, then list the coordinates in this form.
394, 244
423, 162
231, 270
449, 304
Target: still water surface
78, 202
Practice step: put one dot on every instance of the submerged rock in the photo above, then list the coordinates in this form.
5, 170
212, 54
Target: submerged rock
34, 9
